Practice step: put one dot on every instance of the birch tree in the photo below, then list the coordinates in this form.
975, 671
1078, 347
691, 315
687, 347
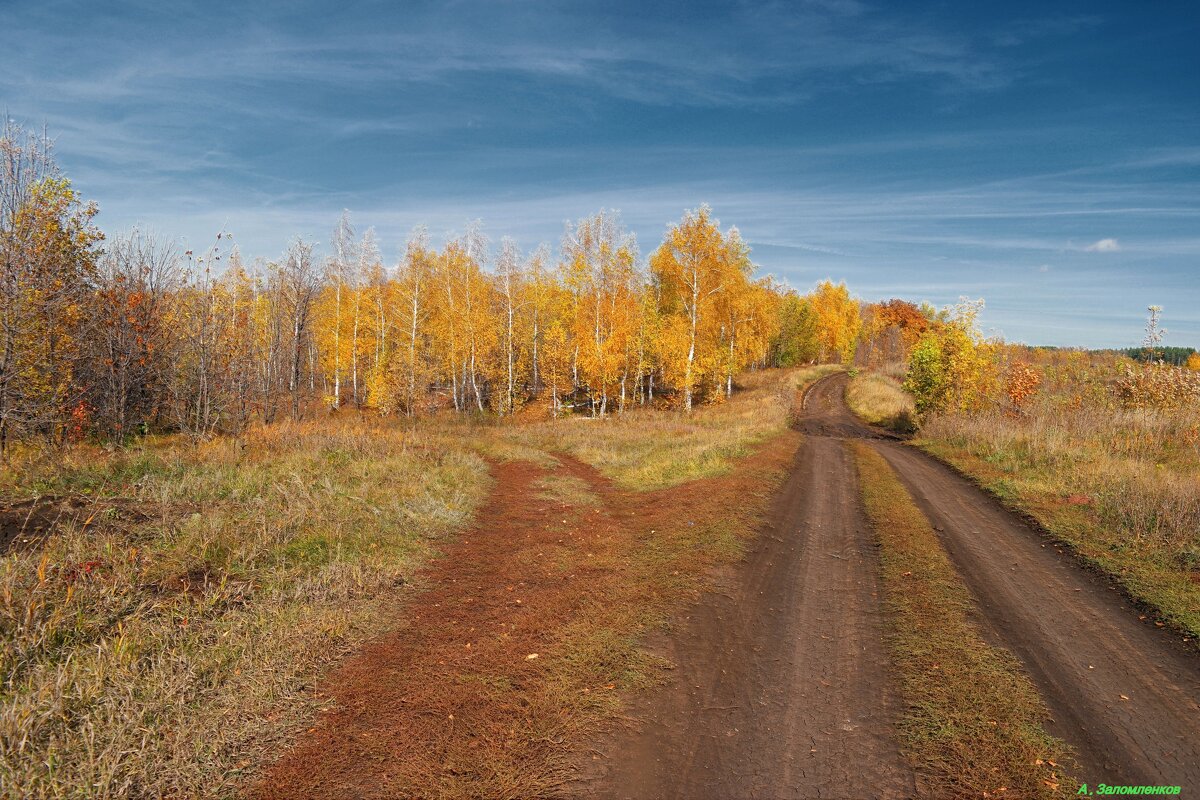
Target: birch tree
693, 265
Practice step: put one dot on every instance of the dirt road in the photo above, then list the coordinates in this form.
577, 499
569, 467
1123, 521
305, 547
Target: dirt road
1124, 693
782, 686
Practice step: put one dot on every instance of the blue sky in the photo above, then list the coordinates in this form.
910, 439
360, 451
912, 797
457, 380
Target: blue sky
1044, 156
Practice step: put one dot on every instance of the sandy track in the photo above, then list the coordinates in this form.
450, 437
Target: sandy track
1124, 693
781, 687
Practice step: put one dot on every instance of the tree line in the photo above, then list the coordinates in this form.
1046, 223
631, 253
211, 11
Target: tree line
113, 336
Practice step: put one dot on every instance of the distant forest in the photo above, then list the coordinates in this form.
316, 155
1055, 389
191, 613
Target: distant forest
1175, 356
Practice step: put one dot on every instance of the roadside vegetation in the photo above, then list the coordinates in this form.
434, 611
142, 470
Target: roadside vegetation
158, 638
1105, 454
1101, 449
879, 398
972, 723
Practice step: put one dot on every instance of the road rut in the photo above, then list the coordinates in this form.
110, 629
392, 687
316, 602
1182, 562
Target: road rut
1122, 692
781, 685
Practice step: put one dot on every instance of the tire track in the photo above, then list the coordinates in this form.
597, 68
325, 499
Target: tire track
781, 686
1123, 693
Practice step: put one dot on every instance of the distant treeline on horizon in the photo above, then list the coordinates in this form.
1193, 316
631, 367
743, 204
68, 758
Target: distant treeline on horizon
1175, 356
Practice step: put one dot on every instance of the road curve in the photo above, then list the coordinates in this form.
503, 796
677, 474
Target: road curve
1124, 693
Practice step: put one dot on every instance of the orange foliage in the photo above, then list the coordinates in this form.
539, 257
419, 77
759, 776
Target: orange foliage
1022, 383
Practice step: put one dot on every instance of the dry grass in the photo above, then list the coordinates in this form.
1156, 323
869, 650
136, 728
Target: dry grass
1122, 487
652, 449
880, 400
973, 720
163, 659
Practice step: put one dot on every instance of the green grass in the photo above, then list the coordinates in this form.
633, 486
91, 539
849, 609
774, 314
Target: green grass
973, 721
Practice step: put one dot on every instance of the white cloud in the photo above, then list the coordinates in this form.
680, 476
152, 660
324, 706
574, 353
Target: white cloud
1104, 246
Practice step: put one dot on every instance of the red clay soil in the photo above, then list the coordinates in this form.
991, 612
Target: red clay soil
452, 704
403, 707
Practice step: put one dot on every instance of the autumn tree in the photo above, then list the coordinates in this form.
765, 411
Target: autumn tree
414, 294
890, 330
48, 250
952, 367
201, 388
837, 321
298, 282
510, 278
127, 340
1021, 383
339, 278
796, 342
543, 301
243, 338
744, 312
361, 347
599, 259
380, 298
694, 264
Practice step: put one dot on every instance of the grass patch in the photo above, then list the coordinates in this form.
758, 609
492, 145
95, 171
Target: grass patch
566, 489
164, 658
1132, 520
648, 449
881, 400
973, 722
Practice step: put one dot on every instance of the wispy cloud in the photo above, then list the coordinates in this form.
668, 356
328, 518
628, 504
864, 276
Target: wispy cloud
1104, 246
928, 153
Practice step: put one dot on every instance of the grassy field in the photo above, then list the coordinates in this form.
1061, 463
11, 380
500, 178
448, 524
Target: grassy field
879, 399
1119, 485
164, 641
163, 633
656, 449
972, 725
